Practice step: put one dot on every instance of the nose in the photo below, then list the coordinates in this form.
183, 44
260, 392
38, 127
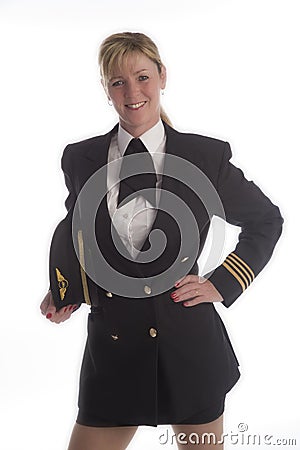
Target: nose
132, 89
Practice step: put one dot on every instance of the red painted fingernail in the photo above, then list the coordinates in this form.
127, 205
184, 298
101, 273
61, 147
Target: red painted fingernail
65, 309
48, 316
70, 307
173, 295
74, 307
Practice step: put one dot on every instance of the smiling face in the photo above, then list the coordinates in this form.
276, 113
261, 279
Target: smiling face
134, 90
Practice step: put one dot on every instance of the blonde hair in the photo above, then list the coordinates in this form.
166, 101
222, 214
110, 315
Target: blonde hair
117, 47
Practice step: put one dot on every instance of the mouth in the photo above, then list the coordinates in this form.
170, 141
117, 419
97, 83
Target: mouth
135, 106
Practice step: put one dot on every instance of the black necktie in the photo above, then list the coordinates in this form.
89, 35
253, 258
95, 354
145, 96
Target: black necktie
133, 184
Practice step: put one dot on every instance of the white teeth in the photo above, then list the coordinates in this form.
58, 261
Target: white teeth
136, 105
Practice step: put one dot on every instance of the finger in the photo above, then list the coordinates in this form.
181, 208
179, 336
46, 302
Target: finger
199, 293
188, 295
43, 309
194, 287
187, 279
58, 317
64, 317
61, 315
45, 303
68, 312
64, 310
71, 308
50, 312
51, 299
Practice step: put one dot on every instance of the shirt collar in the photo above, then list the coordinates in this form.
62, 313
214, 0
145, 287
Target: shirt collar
151, 138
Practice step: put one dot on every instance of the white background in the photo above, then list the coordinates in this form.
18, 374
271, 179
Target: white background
233, 73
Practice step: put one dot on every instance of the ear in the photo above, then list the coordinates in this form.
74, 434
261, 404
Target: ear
163, 77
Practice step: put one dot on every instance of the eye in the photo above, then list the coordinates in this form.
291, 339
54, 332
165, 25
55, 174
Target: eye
143, 78
118, 83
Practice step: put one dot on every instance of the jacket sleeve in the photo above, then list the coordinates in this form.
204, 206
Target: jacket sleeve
66, 168
246, 206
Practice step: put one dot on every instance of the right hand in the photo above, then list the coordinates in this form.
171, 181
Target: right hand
48, 309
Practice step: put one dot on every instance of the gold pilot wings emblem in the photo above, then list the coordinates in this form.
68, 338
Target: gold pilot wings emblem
62, 283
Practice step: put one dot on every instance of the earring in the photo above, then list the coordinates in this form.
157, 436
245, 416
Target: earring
162, 92
109, 102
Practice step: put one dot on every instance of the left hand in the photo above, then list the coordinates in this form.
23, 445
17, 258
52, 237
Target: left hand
48, 309
194, 289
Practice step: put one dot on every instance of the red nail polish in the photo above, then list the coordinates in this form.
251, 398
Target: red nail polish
48, 316
74, 307
173, 295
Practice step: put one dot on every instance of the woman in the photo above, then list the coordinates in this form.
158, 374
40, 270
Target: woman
159, 354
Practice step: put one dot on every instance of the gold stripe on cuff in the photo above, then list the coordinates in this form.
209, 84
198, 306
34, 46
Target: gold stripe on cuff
236, 264
82, 267
247, 268
238, 271
235, 275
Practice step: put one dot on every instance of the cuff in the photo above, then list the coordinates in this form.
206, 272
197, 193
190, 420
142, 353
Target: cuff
231, 278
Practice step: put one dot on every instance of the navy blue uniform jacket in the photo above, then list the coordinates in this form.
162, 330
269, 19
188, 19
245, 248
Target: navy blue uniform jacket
129, 339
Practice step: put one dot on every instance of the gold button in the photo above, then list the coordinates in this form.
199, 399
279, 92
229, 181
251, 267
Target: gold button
108, 294
115, 337
153, 332
185, 259
147, 289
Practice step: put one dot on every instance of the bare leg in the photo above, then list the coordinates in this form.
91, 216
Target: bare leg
193, 435
101, 438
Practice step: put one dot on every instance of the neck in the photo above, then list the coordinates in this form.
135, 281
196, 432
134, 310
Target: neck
137, 131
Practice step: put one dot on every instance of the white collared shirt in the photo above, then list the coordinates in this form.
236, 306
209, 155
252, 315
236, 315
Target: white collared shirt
134, 220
